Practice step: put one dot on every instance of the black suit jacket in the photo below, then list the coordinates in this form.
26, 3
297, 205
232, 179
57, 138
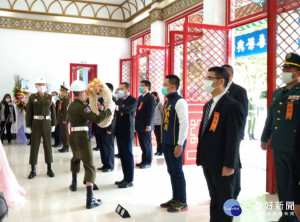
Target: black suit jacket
296, 168
125, 118
221, 148
240, 94
145, 112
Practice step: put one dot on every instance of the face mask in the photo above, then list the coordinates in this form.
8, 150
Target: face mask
164, 91
121, 93
41, 89
7, 100
141, 89
208, 86
54, 97
116, 95
287, 77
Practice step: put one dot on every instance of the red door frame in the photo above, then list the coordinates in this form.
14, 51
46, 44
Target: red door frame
82, 65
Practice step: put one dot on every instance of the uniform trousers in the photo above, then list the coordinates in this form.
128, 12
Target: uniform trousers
40, 129
82, 151
64, 128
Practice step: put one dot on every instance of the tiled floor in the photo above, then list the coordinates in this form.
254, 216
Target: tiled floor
49, 199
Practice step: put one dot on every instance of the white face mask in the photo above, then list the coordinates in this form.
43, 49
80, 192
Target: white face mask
287, 77
208, 86
41, 89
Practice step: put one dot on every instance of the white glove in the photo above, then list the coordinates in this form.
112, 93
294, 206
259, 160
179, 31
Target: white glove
112, 106
52, 129
28, 130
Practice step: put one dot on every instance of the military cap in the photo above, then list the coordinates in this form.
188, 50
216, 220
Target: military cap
63, 87
292, 59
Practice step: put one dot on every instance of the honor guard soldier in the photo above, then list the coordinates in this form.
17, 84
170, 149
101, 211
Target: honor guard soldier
281, 123
79, 114
40, 117
62, 118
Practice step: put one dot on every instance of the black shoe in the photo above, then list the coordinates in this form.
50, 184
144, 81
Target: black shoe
156, 153
119, 182
144, 166
106, 170
56, 146
96, 149
159, 154
73, 186
29, 143
32, 174
63, 150
139, 164
9, 143
50, 173
91, 203
101, 168
117, 155
125, 184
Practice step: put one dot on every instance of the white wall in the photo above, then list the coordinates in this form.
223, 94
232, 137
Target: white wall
31, 54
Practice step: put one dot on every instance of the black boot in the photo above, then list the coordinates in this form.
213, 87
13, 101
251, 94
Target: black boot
91, 202
49, 170
32, 174
73, 185
253, 138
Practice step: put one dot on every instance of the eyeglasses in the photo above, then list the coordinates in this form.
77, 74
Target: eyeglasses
211, 78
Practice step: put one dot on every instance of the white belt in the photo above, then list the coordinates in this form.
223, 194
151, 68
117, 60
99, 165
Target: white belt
41, 117
79, 128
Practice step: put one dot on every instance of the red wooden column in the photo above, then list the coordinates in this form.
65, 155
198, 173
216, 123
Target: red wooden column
271, 84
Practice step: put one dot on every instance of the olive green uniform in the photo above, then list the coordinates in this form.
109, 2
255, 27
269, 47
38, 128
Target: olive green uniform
79, 113
62, 115
40, 116
282, 130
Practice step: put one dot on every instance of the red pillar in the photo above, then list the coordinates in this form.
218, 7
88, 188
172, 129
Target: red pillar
271, 83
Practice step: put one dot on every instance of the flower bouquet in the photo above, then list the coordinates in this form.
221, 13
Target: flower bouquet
97, 89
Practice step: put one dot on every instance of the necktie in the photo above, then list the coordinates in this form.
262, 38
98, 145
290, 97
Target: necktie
206, 115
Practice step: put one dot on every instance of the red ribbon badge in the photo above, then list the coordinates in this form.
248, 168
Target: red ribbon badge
214, 122
140, 106
289, 110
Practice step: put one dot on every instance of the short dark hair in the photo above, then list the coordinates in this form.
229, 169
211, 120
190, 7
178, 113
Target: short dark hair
174, 80
55, 92
110, 86
226, 66
126, 84
76, 93
147, 83
221, 73
156, 94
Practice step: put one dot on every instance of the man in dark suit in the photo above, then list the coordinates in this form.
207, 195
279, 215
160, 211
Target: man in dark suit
57, 133
281, 124
107, 141
125, 110
239, 94
220, 135
295, 184
144, 123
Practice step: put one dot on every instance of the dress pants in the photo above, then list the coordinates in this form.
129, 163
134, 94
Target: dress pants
107, 149
283, 175
174, 166
97, 131
57, 136
8, 130
146, 146
126, 156
220, 189
157, 132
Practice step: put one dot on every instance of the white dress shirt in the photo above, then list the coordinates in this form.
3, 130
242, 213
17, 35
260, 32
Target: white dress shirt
215, 101
181, 108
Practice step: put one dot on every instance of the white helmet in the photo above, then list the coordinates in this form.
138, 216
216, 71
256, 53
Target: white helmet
78, 86
40, 79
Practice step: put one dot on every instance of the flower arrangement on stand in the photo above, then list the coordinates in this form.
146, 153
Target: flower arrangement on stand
21, 97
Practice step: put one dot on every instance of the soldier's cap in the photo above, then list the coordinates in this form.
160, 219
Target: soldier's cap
62, 87
292, 59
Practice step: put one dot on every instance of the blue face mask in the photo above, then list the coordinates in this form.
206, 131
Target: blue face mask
7, 100
164, 91
121, 93
141, 89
